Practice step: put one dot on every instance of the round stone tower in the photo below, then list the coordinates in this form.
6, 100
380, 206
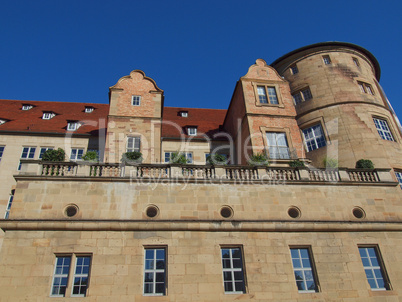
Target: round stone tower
341, 109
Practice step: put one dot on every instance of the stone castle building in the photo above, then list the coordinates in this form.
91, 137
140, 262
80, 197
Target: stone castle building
156, 230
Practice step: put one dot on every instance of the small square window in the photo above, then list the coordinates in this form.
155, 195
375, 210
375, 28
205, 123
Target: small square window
383, 129
76, 154
192, 131
184, 113
133, 144
302, 95
155, 272
374, 268
294, 69
89, 109
327, 60
233, 272
136, 100
304, 271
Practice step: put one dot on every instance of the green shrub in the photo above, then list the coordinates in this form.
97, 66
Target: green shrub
364, 164
91, 156
330, 163
217, 159
296, 164
134, 156
54, 155
178, 158
259, 159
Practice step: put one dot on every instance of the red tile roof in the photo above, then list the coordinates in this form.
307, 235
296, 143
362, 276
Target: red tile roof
207, 121
31, 120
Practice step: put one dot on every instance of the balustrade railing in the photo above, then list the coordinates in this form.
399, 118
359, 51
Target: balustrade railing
241, 173
329, 175
282, 174
59, 169
363, 175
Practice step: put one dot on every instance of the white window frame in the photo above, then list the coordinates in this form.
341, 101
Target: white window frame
132, 141
192, 131
72, 126
79, 152
48, 115
276, 148
89, 109
184, 113
150, 267
230, 268
2, 122
300, 264
9, 204
26, 107
136, 100
316, 139
30, 154
57, 274
43, 150
373, 266
383, 129
80, 275
189, 156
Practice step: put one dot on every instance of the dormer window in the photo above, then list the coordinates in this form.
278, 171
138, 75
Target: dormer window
48, 115
136, 100
26, 107
89, 109
192, 131
184, 113
2, 121
72, 126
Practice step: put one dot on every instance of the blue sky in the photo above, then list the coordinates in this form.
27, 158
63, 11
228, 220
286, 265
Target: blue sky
195, 50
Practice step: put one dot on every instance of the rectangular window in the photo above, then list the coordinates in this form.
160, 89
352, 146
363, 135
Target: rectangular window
262, 95
302, 95
383, 129
232, 267
61, 273
27, 153
306, 94
192, 131
294, 69
60, 276
1, 151
374, 268
399, 178
303, 268
72, 126
356, 62
89, 109
48, 115
297, 98
9, 204
189, 156
278, 145
155, 271
327, 60
273, 98
43, 150
365, 88
133, 144
184, 113
76, 153
27, 107
314, 137
136, 100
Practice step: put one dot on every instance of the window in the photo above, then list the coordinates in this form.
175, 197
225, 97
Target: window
184, 113
89, 109
232, 267
72, 126
327, 60
278, 145
9, 204
155, 271
133, 144
1, 151
43, 150
303, 268
192, 131
356, 62
76, 153
374, 268
302, 95
2, 122
399, 177
263, 91
80, 276
365, 88
189, 156
294, 69
27, 153
48, 115
26, 107
383, 129
136, 100
314, 137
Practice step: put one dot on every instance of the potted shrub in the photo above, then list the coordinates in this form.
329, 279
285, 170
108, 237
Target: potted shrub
132, 157
178, 158
54, 155
217, 159
91, 156
296, 164
259, 159
364, 164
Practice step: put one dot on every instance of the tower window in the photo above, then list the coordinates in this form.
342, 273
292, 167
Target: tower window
302, 95
356, 62
303, 268
314, 137
294, 69
383, 129
327, 60
365, 88
374, 268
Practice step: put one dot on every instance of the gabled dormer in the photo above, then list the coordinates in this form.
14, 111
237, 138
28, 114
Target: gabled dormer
26, 107
47, 115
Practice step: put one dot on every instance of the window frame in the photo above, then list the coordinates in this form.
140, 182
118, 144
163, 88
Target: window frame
301, 94
2, 148
73, 126
356, 61
26, 107
266, 89
9, 204
75, 275
89, 109
276, 146
232, 270
184, 113
366, 88
78, 154
380, 267
294, 69
136, 100
192, 131
43, 150
306, 141
189, 156
155, 271
62, 275
134, 139
326, 59
48, 115
312, 268
30, 151
382, 132
398, 175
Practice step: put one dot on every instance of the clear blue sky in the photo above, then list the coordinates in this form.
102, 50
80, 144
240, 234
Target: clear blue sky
195, 50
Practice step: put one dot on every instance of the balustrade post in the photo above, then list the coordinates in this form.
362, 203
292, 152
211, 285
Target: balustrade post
176, 172
384, 175
83, 170
304, 174
30, 167
344, 175
220, 172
